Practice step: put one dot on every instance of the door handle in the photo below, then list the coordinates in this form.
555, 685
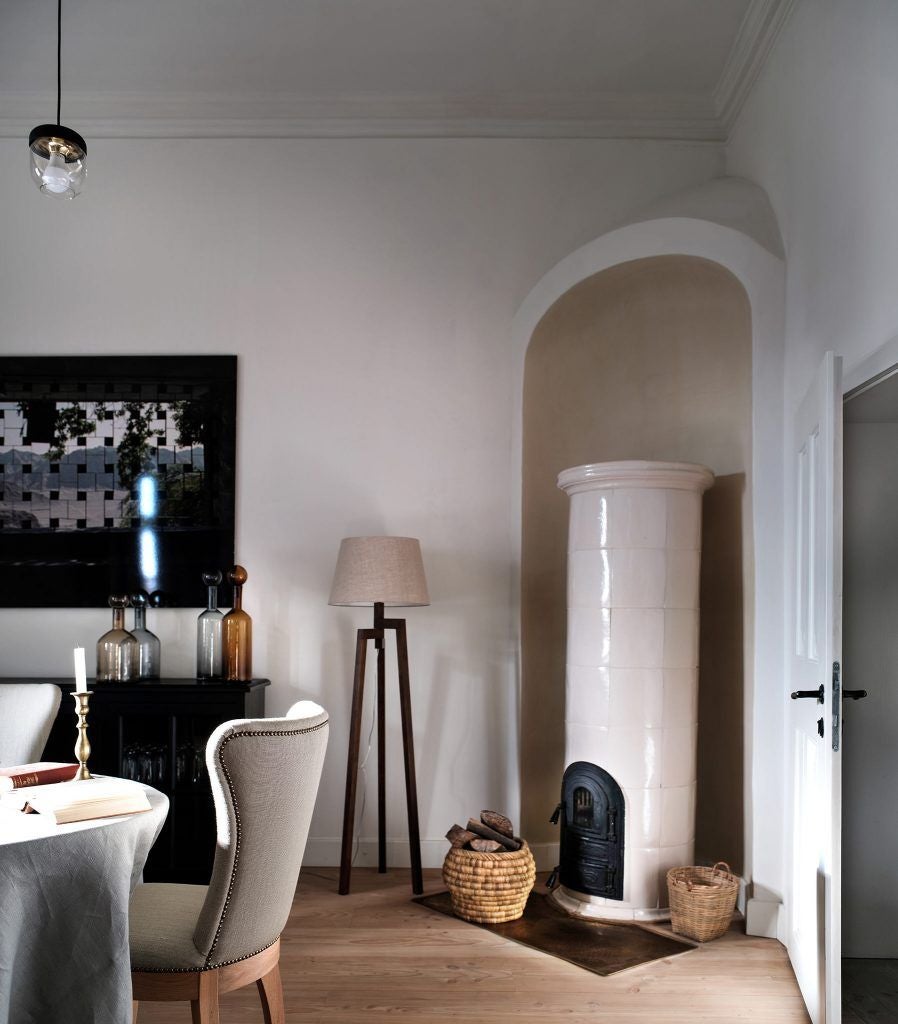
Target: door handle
854, 694
808, 694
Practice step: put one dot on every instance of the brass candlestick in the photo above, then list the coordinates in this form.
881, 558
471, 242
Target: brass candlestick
82, 746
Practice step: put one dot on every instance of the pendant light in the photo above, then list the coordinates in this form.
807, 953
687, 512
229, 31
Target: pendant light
58, 154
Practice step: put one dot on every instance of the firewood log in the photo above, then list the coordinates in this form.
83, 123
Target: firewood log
485, 832
485, 845
498, 822
459, 836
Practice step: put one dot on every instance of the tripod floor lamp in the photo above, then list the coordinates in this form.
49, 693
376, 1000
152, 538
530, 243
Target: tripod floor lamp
383, 572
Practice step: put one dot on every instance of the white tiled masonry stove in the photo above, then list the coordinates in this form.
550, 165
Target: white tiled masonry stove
632, 670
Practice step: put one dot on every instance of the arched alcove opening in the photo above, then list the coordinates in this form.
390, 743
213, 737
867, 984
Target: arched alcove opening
647, 359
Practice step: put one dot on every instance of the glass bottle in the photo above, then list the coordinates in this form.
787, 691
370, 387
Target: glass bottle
237, 630
117, 650
150, 650
208, 631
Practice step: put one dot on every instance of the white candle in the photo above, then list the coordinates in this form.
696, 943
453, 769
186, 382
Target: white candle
80, 671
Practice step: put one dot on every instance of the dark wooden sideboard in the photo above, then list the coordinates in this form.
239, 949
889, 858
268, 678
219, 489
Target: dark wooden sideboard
156, 731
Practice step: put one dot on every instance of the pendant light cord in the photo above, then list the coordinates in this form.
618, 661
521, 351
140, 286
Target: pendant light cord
58, 59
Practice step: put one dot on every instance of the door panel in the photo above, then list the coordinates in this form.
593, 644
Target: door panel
815, 800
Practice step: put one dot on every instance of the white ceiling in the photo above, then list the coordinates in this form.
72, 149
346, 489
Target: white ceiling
654, 68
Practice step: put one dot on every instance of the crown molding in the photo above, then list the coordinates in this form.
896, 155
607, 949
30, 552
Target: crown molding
689, 118
685, 118
763, 22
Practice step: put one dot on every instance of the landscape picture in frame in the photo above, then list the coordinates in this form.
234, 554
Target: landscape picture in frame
117, 473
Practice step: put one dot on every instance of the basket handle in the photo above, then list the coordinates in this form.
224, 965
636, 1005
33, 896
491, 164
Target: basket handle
722, 864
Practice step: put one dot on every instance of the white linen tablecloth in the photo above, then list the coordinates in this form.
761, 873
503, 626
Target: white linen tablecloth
64, 892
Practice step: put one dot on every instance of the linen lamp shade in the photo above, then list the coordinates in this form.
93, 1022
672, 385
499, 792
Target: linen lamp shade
388, 570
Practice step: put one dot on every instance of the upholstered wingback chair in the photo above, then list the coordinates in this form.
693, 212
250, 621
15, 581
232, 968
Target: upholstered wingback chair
191, 942
27, 713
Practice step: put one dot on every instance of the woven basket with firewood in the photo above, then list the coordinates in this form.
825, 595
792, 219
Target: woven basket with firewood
489, 871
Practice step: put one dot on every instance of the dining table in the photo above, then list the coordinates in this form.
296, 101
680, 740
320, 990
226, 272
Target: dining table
64, 894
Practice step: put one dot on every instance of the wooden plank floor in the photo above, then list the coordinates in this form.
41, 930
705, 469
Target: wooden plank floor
869, 991
374, 955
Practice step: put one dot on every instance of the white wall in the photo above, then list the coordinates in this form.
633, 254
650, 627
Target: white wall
817, 134
870, 753
368, 287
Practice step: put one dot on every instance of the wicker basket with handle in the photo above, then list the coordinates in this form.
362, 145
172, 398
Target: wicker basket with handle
489, 888
702, 900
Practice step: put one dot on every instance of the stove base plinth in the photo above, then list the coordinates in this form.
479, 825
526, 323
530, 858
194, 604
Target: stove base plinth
597, 908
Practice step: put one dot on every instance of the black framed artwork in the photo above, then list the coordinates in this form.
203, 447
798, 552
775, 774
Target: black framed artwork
117, 473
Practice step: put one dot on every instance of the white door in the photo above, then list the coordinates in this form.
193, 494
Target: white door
814, 818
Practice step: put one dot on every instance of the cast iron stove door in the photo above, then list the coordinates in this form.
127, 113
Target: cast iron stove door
592, 832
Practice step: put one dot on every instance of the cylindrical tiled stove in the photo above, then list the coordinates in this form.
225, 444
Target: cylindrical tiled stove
632, 663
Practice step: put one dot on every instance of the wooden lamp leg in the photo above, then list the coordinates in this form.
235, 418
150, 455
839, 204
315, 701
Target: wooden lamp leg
381, 760
408, 749
352, 762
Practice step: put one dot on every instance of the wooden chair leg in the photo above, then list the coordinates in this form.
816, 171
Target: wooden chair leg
271, 992
134, 1008
205, 1009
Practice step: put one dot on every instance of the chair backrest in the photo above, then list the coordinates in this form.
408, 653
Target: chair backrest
264, 774
27, 711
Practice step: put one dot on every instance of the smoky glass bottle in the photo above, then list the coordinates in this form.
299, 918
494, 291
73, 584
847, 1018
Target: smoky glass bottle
209, 632
149, 653
237, 629
117, 650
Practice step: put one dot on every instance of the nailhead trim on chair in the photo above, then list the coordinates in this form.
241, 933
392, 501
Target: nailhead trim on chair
227, 775
205, 967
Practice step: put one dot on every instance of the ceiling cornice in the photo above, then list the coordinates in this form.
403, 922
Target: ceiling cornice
686, 118
689, 118
763, 22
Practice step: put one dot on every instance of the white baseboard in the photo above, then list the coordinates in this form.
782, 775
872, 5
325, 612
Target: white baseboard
545, 855
742, 896
762, 917
325, 853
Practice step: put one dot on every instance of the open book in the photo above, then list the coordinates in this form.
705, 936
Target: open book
40, 773
81, 799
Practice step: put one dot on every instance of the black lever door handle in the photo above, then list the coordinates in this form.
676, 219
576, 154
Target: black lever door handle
854, 694
808, 694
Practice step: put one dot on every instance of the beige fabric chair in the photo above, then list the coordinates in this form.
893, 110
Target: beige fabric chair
191, 942
27, 713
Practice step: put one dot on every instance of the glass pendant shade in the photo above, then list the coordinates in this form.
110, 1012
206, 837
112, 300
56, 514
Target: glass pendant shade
58, 159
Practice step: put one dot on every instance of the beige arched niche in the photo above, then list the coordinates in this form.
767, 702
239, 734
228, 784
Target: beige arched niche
649, 359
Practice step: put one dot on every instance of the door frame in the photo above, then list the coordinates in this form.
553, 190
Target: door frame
871, 370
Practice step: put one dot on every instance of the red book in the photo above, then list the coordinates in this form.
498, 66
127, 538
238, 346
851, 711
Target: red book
41, 773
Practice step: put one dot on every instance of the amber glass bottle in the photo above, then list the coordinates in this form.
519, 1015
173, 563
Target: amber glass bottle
118, 652
237, 629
